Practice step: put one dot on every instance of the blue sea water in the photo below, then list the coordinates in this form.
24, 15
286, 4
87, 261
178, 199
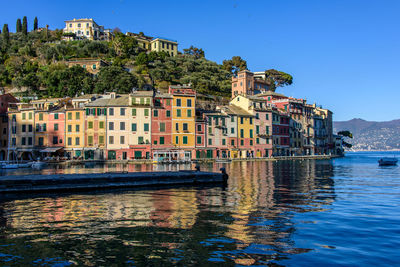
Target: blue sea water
343, 211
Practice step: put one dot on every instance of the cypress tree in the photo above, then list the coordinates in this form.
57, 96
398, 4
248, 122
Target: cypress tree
19, 25
6, 34
25, 26
35, 24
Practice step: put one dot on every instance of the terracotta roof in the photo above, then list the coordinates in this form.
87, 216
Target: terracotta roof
270, 93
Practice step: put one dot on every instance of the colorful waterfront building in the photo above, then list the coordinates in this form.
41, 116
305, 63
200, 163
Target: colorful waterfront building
183, 120
118, 127
201, 136
262, 112
245, 132
280, 132
217, 134
6, 101
161, 126
55, 130
74, 131
21, 132
140, 103
95, 128
41, 136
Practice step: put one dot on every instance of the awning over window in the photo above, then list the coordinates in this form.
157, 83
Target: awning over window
50, 149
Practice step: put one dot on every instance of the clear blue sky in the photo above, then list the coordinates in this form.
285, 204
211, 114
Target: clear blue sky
344, 55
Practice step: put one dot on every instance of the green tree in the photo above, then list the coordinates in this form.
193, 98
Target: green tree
24, 25
141, 59
35, 24
6, 34
115, 78
194, 51
19, 26
234, 65
345, 134
125, 46
275, 78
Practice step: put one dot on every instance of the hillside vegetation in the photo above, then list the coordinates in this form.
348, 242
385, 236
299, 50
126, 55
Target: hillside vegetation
36, 62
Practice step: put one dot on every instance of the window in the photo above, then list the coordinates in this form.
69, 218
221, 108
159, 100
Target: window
251, 142
122, 140
40, 116
77, 115
141, 101
134, 112
111, 111
23, 141
69, 116
257, 116
168, 113
241, 142
178, 113
90, 140
30, 115
162, 127
189, 113
140, 140
122, 111
185, 126
199, 127
209, 141
69, 128
177, 126
209, 130
55, 140
101, 124
90, 125
241, 133
146, 127
177, 140
30, 140
232, 119
134, 127
257, 129
55, 126
101, 140
241, 120
79, 25
168, 102
94, 66
146, 112
161, 140
70, 25
30, 128
111, 140
189, 102
232, 142
122, 126
232, 130
266, 117
267, 129
87, 32
223, 142
77, 128
111, 125
155, 113
178, 102
251, 120
41, 141
198, 140
24, 128
69, 141
77, 141
185, 140
257, 140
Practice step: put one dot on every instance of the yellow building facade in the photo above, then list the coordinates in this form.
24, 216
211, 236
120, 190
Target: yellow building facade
183, 116
75, 131
166, 45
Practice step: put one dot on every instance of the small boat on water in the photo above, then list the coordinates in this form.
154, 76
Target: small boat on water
14, 165
387, 161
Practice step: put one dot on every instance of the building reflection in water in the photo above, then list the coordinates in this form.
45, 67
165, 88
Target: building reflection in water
256, 209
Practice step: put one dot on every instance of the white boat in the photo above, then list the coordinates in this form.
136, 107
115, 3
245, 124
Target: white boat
38, 164
12, 165
387, 161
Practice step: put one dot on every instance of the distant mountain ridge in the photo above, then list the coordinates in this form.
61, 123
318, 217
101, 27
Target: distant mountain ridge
371, 135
